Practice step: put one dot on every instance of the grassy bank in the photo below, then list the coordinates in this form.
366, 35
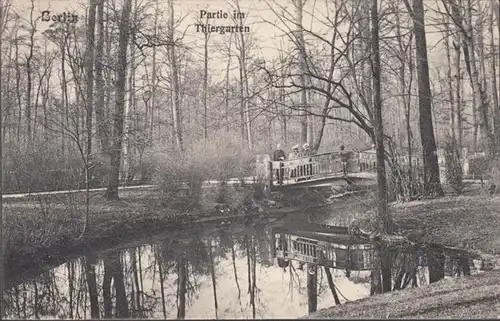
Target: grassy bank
462, 298
470, 222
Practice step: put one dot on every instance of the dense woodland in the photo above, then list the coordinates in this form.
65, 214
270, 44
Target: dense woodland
123, 87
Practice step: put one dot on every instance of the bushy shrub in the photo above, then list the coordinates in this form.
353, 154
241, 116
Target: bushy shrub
181, 175
40, 168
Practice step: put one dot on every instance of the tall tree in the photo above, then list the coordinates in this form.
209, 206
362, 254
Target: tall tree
29, 74
432, 183
4, 9
300, 43
175, 82
100, 109
384, 219
493, 66
89, 68
205, 83
118, 116
242, 46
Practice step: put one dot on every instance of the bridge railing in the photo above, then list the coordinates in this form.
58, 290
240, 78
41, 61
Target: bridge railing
290, 171
335, 255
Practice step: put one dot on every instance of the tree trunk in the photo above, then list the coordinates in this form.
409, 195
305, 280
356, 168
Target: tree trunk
227, 90
212, 273
118, 117
477, 88
435, 262
2, 217
64, 89
89, 68
127, 155
458, 79
312, 288
182, 285
175, 81
29, 75
245, 95
90, 263
152, 106
138, 288
122, 310
282, 98
162, 286
484, 85
432, 184
406, 90
101, 123
332, 285
494, 88
299, 38
367, 80
254, 277
384, 219
450, 85
106, 288
242, 98
205, 87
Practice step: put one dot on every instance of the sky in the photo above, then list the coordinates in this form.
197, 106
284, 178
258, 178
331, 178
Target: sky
258, 16
264, 25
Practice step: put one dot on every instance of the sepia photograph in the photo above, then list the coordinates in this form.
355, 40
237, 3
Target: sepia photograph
249, 159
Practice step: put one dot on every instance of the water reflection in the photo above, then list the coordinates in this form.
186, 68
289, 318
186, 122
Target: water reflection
221, 275
218, 274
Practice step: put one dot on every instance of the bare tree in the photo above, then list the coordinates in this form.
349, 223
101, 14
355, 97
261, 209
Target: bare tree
242, 47
205, 82
299, 35
4, 9
494, 87
175, 83
89, 68
464, 25
384, 219
118, 117
227, 89
100, 108
432, 183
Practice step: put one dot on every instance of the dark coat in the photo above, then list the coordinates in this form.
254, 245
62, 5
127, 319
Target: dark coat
279, 153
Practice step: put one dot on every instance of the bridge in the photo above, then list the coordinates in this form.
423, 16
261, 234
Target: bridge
317, 170
335, 249
339, 248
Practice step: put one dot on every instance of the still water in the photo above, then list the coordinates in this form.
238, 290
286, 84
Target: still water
216, 273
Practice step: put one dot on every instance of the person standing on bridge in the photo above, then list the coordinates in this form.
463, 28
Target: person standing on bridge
294, 154
343, 159
279, 156
306, 151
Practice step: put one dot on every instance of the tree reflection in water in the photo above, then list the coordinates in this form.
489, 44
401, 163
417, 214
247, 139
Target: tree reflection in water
222, 274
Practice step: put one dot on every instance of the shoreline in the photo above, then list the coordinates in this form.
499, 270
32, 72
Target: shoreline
109, 232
